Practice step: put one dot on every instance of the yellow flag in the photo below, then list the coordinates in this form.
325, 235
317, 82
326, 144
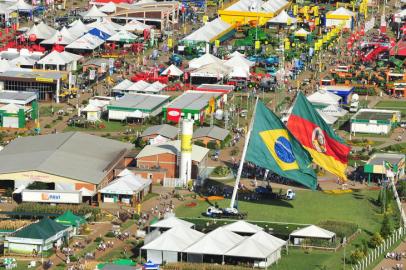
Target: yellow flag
170, 43
217, 43
257, 44
205, 18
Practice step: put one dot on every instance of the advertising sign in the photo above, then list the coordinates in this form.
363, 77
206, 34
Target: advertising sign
173, 115
51, 196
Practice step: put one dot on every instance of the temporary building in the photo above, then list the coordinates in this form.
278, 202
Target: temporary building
155, 88
261, 246
330, 120
93, 13
246, 5
274, 6
323, 98
301, 33
41, 31
135, 26
77, 28
172, 222
168, 245
334, 110
62, 37
61, 61
86, 42
239, 72
172, 70
110, 7
213, 70
122, 86
138, 87
283, 18
216, 29
70, 219
123, 36
243, 227
21, 5
203, 60
239, 61
311, 231
340, 16
106, 25
22, 62
236, 53
216, 242
127, 189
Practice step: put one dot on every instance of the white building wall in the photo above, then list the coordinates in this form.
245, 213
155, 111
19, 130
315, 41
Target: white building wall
370, 128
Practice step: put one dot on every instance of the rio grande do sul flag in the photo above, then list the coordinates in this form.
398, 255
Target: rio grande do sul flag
326, 148
271, 146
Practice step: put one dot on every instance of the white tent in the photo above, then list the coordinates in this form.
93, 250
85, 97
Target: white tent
21, 5
240, 62
86, 42
327, 118
236, 53
311, 231
216, 242
203, 60
301, 33
324, 97
334, 110
339, 16
123, 36
93, 13
167, 246
125, 172
77, 28
246, 5
126, 185
110, 7
274, 5
106, 26
123, 85
43, 27
209, 31
171, 222
213, 70
4, 65
59, 58
242, 226
41, 31
135, 26
59, 38
22, 61
172, 70
138, 86
239, 72
283, 18
155, 88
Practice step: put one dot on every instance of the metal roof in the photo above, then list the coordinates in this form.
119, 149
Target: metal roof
380, 158
172, 147
17, 97
193, 100
165, 130
28, 74
140, 101
213, 132
74, 155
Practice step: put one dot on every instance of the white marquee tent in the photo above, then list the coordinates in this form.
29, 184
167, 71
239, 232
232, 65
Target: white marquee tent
135, 26
122, 86
209, 31
172, 70
59, 59
244, 227
110, 7
324, 97
77, 28
138, 86
283, 18
203, 60
172, 222
86, 42
274, 6
62, 37
123, 36
311, 231
93, 13
301, 33
21, 5
213, 70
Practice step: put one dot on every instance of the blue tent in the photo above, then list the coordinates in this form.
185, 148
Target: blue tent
98, 33
151, 266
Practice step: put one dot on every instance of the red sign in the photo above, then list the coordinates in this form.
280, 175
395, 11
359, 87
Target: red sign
173, 115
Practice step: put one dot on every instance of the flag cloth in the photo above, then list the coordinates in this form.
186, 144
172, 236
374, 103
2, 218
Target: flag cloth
388, 165
326, 148
272, 146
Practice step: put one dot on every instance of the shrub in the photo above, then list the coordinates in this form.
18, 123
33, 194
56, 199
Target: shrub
60, 117
221, 171
84, 102
109, 234
375, 240
234, 151
356, 255
212, 145
200, 143
341, 228
386, 227
98, 239
226, 141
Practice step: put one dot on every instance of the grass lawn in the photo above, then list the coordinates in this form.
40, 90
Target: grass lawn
46, 110
110, 126
89, 248
111, 255
127, 224
392, 105
400, 147
149, 196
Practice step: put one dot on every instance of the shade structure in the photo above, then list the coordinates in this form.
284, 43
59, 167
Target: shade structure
123, 36
78, 28
172, 222
203, 60
86, 42
240, 66
155, 87
242, 226
106, 26
239, 72
21, 61
126, 185
93, 13
172, 70
70, 219
138, 86
324, 97
59, 58
283, 18
122, 86
62, 38
43, 229
274, 6
213, 70
21, 5
110, 7
135, 26
41, 31
236, 53
210, 31
301, 33
99, 33
313, 231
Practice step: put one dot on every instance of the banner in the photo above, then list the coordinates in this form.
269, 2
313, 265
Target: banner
92, 74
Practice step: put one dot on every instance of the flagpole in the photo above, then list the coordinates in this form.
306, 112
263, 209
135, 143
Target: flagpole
244, 152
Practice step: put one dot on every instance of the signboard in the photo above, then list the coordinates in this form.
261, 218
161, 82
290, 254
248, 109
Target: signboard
170, 42
51, 196
48, 80
103, 67
173, 115
92, 74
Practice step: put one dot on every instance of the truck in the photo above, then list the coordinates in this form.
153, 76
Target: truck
354, 103
216, 212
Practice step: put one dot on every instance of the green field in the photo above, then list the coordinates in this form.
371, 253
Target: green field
310, 207
109, 126
392, 105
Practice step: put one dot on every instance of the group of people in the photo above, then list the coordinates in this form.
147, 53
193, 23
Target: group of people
104, 245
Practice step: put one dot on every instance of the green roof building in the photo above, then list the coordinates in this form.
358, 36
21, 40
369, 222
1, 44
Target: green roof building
39, 236
71, 220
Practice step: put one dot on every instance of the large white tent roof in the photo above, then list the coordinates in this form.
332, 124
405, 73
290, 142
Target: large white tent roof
135, 26
176, 239
212, 70
172, 70
86, 42
21, 5
172, 222
59, 38
155, 87
93, 13
274, 5
217, 242
41, 31
110, 7
239, 61
326, 117
203, 60
59, 58
313, 231
77, 28
22, 61
209, 31
246, 5
324, 97
126, 185
283, 18
106, 26
123, 85
242, 226
123, 36
138, 86
342, 11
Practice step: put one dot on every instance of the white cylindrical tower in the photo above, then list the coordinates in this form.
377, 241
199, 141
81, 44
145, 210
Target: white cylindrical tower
185, 168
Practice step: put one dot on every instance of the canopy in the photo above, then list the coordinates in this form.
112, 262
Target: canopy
283, 18
324, 97
86, 42
70, 219
93, 13
77, 28
239, 72
135, 26
4, 65
205, 59
106, 26
209, 31
123, 36
126, 185
216, 242
274, 5
313, 231
41, 31
240, 62
22, 61
122, 86
301, 33
330, 120
236, 53
176, 239
242, 226
21, 5
342, 11
218, 70
139, 86
172, 70
59, 58
155, 87
59, 38
172, 222
110, 7
99, 33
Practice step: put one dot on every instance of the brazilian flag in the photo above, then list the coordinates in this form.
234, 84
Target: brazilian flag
273, 147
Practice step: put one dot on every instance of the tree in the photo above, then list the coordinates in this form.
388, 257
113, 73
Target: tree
386, 227
376, 240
